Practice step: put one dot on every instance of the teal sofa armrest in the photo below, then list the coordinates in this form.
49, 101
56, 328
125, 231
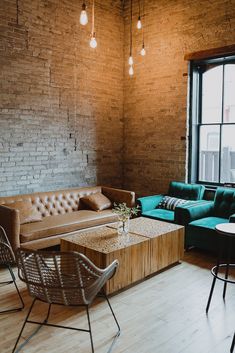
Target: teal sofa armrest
194, 210
149, 203
232, 218
224, 202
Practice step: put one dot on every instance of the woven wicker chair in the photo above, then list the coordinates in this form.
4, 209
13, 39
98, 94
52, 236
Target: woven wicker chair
7, 259
64, 278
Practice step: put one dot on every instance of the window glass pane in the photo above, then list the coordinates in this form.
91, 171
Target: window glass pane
212, 95
209, 153
229, 93
228, 154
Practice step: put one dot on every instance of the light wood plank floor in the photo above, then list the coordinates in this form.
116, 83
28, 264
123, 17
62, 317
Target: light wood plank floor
164, 314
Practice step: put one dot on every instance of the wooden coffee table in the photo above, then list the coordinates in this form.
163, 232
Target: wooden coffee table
149, 247
166, 241
104, 245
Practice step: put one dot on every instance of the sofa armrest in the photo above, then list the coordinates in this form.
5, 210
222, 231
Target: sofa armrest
10, 221
119, 195
194, 210
149, 203
232, 218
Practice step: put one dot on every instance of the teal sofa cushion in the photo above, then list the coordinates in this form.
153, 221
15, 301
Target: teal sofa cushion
224, 202
186, 191
202, 234
208, 222
160, 214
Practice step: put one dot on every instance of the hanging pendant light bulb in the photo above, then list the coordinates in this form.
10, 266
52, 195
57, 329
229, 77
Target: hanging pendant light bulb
130, 60
83, 16
139, 24
131, 71
93, 42
143, 51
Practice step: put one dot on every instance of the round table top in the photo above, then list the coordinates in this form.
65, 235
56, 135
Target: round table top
226, 228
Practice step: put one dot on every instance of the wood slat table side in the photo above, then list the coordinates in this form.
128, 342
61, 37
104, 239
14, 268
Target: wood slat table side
166, 241
134, 263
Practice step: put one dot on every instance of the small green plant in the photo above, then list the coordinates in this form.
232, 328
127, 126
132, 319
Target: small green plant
125, 212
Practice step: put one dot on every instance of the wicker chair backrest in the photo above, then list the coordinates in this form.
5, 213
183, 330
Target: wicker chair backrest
7, 256
67, 278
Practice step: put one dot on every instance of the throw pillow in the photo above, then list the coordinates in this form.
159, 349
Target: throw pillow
170, 203
97, 201
28, 213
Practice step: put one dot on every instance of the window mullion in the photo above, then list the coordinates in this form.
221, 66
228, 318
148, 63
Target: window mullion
221, 127
199, 120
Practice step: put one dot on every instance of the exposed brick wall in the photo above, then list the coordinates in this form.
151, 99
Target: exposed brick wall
155, 98
61, 102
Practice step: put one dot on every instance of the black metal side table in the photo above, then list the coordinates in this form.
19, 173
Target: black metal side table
226, 234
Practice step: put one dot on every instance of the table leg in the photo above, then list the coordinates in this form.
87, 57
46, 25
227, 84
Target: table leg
227, 266
233, 344
214, 278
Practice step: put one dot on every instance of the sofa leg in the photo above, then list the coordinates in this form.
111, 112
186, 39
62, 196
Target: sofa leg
189, 247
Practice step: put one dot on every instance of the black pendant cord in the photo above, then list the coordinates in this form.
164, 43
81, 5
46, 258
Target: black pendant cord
131, 31
93, 19
139, 9
17, 12
143, 14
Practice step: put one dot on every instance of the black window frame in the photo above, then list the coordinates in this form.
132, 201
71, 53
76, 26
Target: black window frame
196, 69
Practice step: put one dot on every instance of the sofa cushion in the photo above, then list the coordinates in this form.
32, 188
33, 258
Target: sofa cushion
170, 203
27, 212
59, 224
208, 222
97, 201
186, 191
161, 214
201, 233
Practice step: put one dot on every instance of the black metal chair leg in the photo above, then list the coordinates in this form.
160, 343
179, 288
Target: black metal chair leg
12, 273
17, 289
233, 344
37, 329
216, 273
18, 292
110, 307
48, 313
25, 321
89, 324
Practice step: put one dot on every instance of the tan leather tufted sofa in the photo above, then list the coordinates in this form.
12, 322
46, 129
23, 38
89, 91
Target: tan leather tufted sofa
62, 212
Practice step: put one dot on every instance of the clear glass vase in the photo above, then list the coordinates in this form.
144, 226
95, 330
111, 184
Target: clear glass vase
123, 225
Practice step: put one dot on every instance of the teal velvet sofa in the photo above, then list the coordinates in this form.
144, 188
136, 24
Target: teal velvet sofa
150, 205
201, 219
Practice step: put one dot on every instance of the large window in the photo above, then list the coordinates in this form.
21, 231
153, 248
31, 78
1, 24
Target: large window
212, 121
